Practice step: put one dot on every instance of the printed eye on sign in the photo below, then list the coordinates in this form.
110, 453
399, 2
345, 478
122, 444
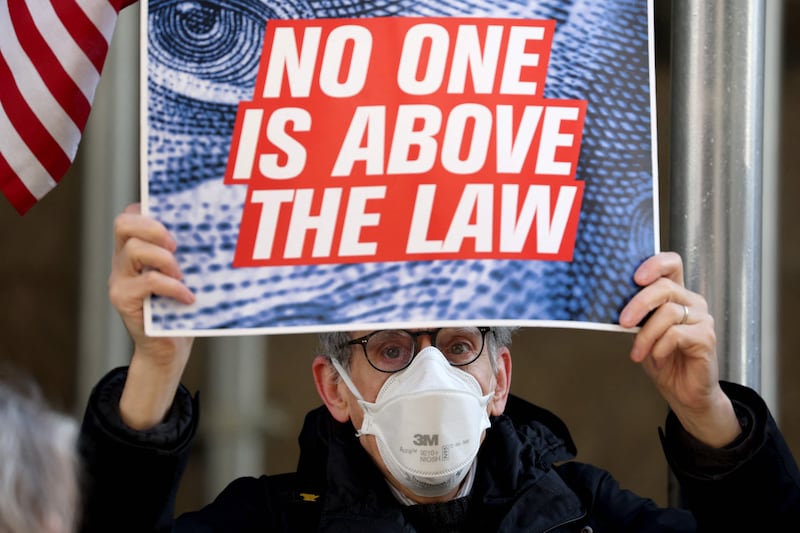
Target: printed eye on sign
324, 172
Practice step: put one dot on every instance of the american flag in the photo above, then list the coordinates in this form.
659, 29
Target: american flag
51, 55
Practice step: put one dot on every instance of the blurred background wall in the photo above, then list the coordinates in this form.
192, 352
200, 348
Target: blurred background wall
584, 376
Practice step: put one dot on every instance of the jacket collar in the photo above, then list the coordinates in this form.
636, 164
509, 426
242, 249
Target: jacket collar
514, 478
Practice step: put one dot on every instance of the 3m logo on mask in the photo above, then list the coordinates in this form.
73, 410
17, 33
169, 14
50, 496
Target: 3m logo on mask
426, 440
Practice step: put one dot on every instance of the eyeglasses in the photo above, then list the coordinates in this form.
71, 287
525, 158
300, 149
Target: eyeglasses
392, 350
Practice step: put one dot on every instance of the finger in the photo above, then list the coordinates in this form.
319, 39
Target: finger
691, 339
127, 294
665, 317
674, 326
658, 354
137, 256
662, 265
653, 296
130, 224
662, 325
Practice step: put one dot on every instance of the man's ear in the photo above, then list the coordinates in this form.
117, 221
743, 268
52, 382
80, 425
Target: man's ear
503, 382
327, 380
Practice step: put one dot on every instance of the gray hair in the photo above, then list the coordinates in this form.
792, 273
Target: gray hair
39, 467
334, 345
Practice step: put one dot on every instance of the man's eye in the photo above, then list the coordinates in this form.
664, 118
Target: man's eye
458, 348
392, 352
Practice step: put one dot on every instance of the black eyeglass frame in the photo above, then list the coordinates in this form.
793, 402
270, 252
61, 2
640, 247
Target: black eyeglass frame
414, 335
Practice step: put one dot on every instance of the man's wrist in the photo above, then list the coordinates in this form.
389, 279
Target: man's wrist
175, 430
716, 427
148, 393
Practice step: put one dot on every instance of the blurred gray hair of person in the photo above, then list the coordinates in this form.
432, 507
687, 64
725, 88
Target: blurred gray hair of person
334, 344
39, 465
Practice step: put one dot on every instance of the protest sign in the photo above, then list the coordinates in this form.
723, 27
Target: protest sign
325, 172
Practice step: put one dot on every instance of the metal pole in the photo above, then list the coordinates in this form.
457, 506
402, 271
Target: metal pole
238, 417
716, 168
769, 279
110, 172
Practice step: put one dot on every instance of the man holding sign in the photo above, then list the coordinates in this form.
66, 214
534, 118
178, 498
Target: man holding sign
418, 431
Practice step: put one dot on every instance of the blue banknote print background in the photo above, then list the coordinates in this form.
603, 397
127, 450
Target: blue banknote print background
202, 60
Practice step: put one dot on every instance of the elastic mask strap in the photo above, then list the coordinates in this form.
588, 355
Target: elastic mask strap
346, 377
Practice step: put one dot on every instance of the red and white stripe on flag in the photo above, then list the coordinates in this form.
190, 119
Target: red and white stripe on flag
51, 55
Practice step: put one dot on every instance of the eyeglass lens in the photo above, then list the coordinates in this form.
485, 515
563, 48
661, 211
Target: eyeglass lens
393, 350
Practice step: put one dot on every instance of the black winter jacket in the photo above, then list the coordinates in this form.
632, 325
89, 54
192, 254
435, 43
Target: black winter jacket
526, 479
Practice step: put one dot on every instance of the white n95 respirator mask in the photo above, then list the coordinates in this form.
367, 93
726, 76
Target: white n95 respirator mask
427, 421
